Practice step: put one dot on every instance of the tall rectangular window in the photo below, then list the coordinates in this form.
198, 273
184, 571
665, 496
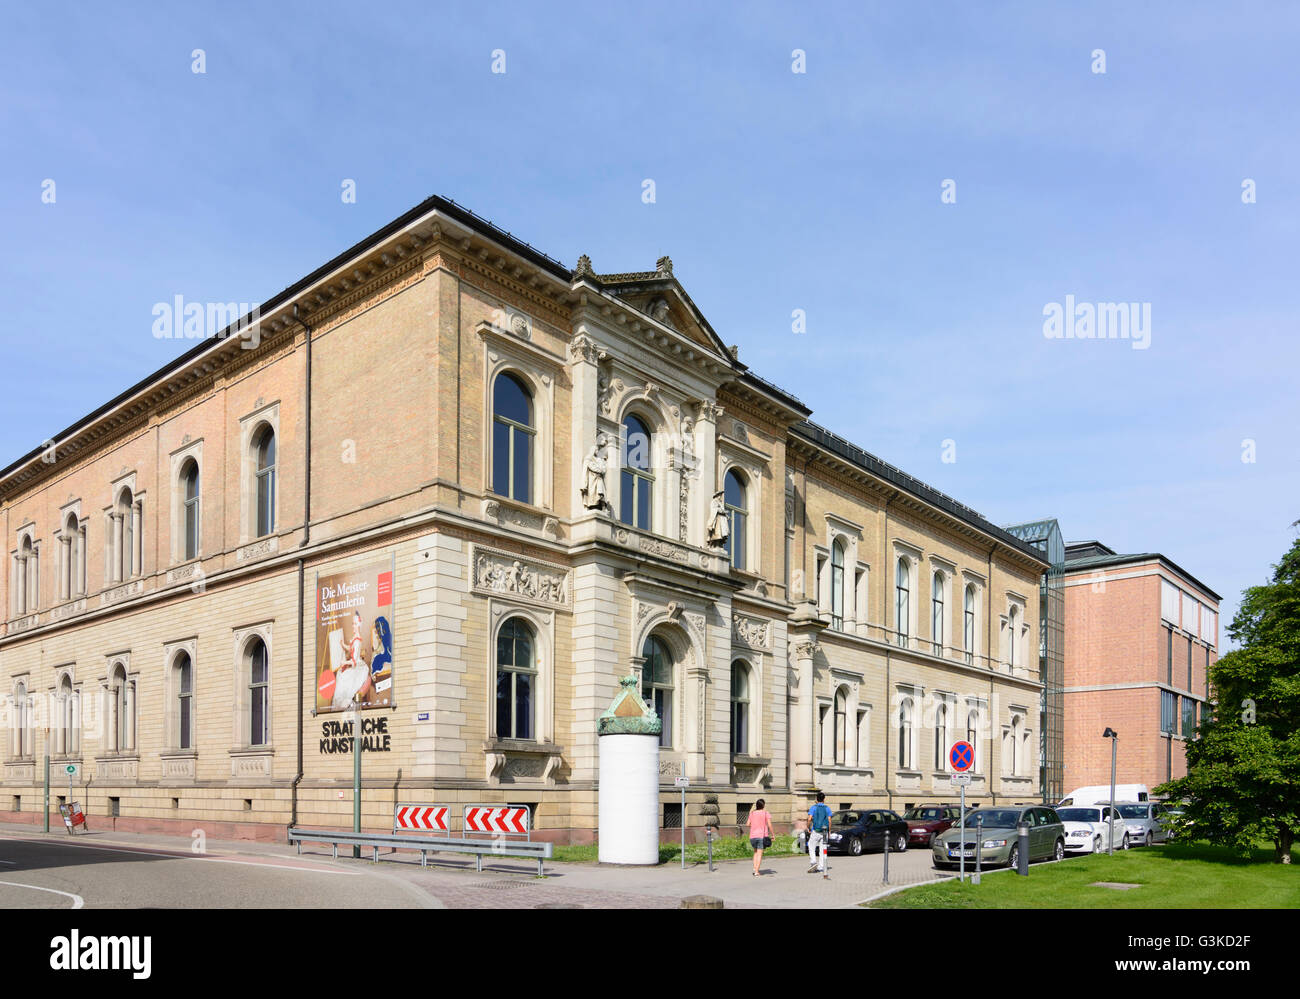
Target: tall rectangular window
1169, 654
1189, 663
1168, 712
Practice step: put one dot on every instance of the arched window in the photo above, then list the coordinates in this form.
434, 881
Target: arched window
841, 742
25, 598
22, 724
936, 614
1011, 639
184, 701
657, 684
1015, 745
637, 482
190, 501
259, 685
512, 438
739, 708
66, 723
123, 711
126, 518
516, 679
905, 734
902, 602
968, 631
70, 576
837, 585
737, 514
972, 733
264, 459
941, 737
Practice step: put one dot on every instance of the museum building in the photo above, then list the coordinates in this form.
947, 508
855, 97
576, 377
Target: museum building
456, 483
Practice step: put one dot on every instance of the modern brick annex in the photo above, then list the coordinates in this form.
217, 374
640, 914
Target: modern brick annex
801, 614
1143, 634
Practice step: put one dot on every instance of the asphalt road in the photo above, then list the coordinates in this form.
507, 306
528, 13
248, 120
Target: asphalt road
49, 873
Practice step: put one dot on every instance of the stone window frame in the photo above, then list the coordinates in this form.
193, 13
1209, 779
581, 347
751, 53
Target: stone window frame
975, 579
19, 736
1020, 638
242, 721
171, 694
1014, 766
753, 661
250, 426
115, 530
537, 369
851, 534
177, 459
73, 557
938, 565
913, 693
30, 586
753, 468
543, 624
912, 555
947, 700
980, 707
115, 707
66, 734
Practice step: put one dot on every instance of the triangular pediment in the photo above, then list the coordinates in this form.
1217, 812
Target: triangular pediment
660, 296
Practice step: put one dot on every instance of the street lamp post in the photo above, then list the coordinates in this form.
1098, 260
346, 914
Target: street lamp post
1113, 736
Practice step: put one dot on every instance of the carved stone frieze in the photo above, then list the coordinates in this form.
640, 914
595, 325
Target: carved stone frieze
751, 631
502, 572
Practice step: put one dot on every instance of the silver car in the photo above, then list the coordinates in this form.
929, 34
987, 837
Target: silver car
1142, 822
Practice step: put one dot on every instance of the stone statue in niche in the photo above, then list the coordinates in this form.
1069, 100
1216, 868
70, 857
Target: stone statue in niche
593, 476
719, 529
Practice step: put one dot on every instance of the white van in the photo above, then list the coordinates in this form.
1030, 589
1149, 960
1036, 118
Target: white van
1100, 794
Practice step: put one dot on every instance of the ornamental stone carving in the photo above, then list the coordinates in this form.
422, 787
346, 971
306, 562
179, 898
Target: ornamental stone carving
806, 650
719, 529
751, 631
499, 572
584, 348
594, 468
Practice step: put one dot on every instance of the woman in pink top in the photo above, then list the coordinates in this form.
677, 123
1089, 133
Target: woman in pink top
760, 832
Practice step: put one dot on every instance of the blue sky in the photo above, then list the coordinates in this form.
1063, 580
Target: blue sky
774, 191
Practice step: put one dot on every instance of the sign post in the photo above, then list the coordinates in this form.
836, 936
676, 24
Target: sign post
45, 821
962, 757
356, 776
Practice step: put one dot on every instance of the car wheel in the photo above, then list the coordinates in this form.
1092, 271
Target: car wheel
1059, 852
1013, 858
900, 844
855, 847
1149, 839
1124, 842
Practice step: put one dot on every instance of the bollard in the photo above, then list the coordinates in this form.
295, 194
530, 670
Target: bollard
700, 902
708, 834
885, 879
979, 848
1022, 841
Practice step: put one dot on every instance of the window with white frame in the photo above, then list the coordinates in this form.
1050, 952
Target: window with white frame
941, 736
26, 576
127, 547
735, 502
837, 584
72, 558
902, 600
840, 741
190, 498
69, 730
972, 735
21, 739
122, 709
657, 684
513, 437
968, 623
516, 680
636, 483
183, 684
265, 471
906, 724
257, 672
1012, 636
937, 585
739, 708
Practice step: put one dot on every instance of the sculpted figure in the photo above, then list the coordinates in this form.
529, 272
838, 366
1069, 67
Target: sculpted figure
593, 476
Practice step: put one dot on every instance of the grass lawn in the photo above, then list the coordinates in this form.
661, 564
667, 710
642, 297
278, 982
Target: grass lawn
1190, 876
724, 848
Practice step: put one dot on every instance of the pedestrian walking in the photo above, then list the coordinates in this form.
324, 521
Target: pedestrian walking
760, 832
819, 820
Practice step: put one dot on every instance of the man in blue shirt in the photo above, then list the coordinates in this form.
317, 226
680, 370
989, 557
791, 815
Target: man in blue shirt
819, 823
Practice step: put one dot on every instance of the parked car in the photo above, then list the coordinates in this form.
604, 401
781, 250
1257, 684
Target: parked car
852, 832
925, 821
1088, 829
1099, 794
999, 837
1142, 819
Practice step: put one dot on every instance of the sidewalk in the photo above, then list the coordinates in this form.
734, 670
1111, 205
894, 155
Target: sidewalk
507, 883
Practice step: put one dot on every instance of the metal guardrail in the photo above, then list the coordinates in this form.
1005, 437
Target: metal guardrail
425, 845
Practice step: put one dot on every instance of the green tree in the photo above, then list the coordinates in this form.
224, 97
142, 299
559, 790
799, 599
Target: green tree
1243, 769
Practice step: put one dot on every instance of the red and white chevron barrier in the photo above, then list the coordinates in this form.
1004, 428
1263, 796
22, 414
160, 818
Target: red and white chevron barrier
420, 817
496, 819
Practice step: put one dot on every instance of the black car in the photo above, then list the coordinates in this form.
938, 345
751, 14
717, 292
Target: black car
853, 831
